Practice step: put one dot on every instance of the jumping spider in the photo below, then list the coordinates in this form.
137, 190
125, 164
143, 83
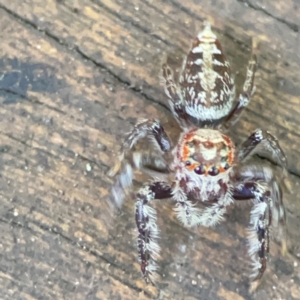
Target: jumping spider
206, 166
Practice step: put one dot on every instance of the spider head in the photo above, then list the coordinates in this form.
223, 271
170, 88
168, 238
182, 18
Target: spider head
207, 152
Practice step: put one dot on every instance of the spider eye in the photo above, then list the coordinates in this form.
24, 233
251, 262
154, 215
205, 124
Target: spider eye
200, 170
224, 159
226, 167
188, 163
213, 171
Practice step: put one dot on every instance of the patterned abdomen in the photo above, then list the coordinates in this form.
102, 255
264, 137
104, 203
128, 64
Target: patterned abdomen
206, 84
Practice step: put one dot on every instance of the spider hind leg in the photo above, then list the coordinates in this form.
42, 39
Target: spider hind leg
245, 96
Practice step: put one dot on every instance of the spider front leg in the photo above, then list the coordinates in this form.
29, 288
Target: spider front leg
261, 217
262, 141
145, 217
259, 184
128, 160
245, 96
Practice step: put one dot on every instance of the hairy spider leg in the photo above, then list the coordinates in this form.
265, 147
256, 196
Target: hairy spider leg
261, 217
262, 140
259, 184
151, 129
245, 96
145, 217
174, 94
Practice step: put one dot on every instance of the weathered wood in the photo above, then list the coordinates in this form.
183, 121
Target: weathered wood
75, 75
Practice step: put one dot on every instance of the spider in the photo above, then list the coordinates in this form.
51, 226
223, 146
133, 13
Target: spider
205, 164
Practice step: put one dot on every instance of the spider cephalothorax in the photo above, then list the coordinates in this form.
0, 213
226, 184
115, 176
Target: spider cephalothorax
206, 152
205, 164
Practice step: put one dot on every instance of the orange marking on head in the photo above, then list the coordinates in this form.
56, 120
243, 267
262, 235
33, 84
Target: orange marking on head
192, 166
227, 140
230, 157
190, 135
186, 152
221, 170
230, 144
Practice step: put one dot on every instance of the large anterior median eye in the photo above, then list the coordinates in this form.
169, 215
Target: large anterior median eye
213, 171
200, 170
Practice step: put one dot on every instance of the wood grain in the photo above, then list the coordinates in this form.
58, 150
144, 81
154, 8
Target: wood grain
74, 77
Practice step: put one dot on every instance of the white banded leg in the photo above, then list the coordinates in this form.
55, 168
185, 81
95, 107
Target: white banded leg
259, 233
174, 94
145, 217
151, 129
261, 140
259, 184
262, 196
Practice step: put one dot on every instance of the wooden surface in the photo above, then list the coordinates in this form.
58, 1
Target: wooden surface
74, 76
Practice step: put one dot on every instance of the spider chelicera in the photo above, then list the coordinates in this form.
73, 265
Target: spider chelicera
205, 164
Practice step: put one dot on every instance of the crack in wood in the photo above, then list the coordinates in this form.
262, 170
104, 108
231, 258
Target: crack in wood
76, 48
290, 25
129, 20
22, 96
